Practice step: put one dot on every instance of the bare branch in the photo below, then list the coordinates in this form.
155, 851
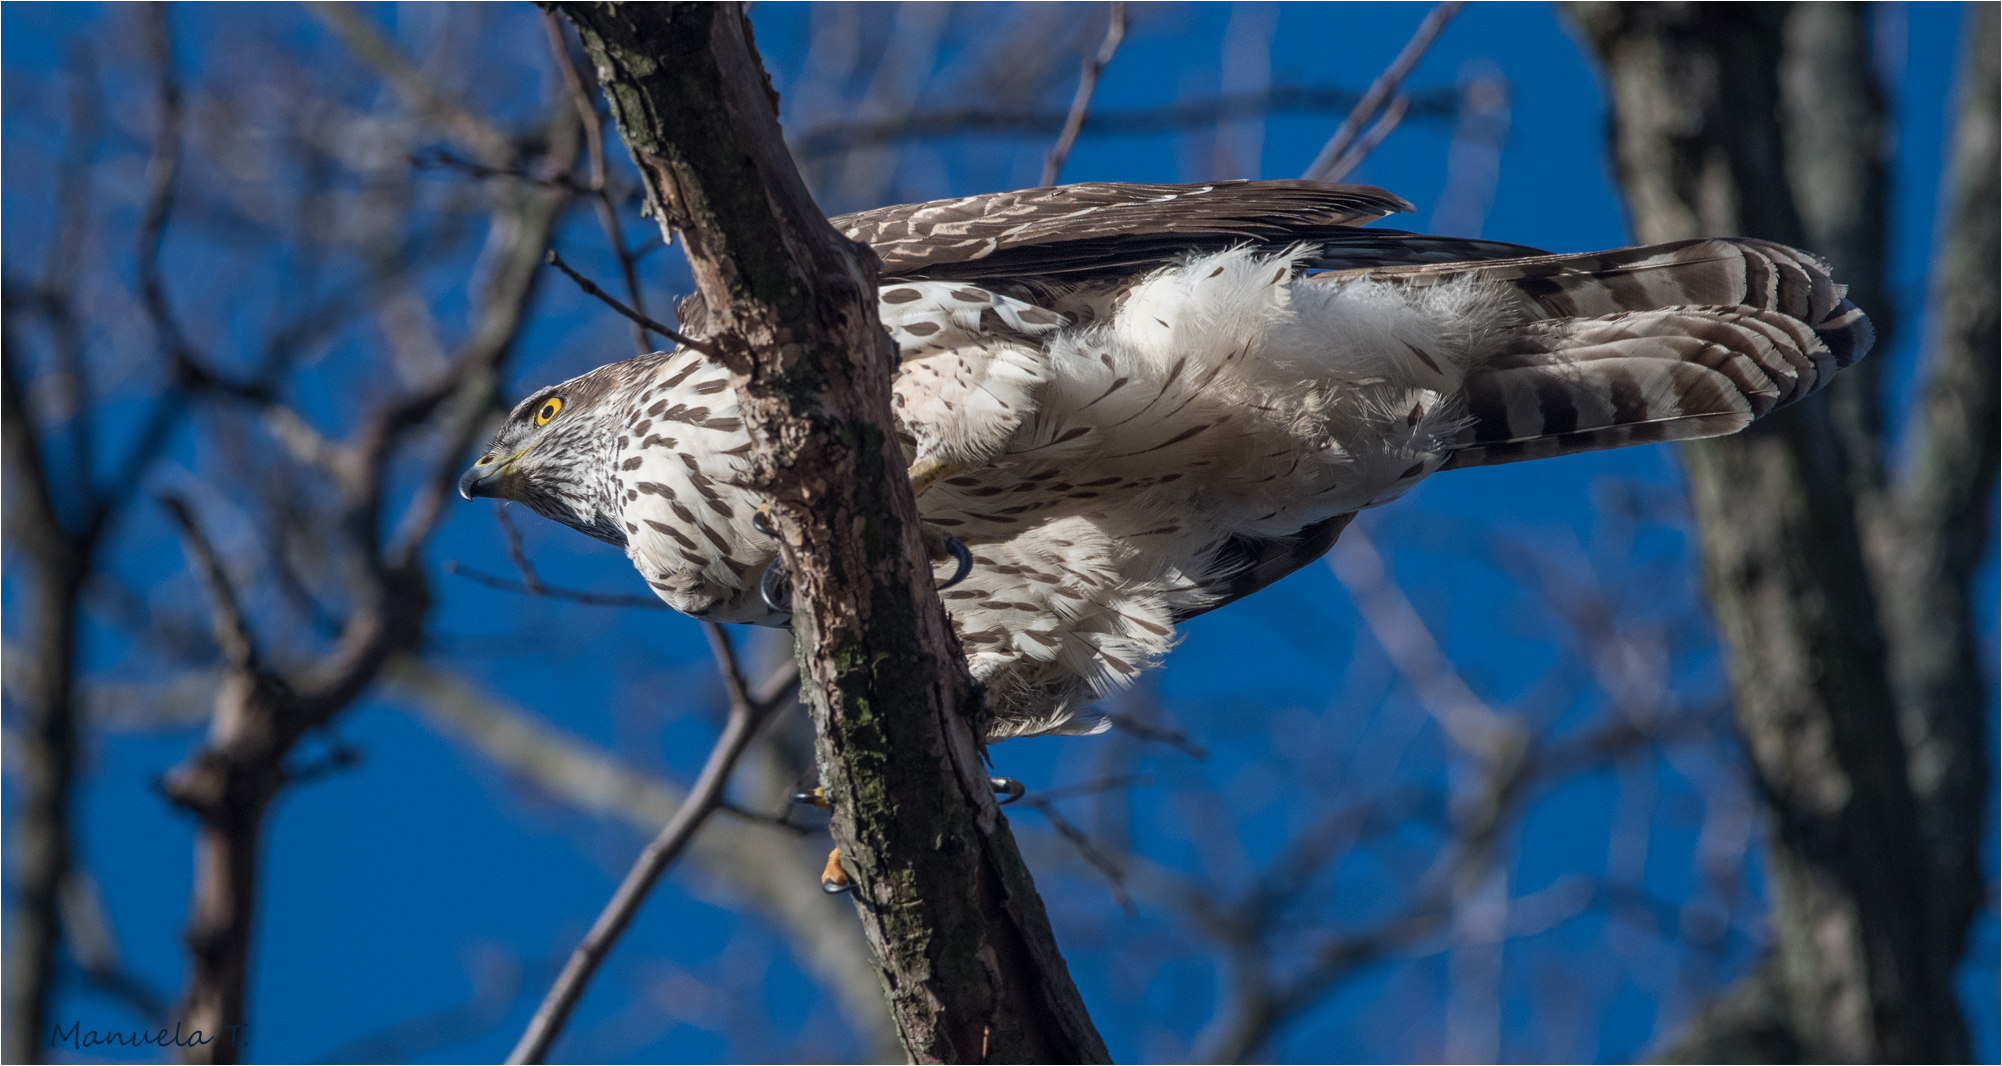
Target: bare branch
1466, 718
835, 138
516, 553
733, 674
474, 133
756, 864
1174, 738
591, 289
1381, 89
1940, 517
1076, 837
232, 634
1388, 121
1115, 31
702, 801
593, 599
594, 150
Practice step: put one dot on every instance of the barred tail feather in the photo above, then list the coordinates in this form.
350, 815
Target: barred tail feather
1670, 342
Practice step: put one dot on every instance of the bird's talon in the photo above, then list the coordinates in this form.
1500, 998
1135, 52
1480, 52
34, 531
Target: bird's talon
1008, 788
776, 588
761, 520
810, 797
965, 559
833, 879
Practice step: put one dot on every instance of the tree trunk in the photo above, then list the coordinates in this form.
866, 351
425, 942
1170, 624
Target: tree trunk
961, 939
1764, 120
46, 743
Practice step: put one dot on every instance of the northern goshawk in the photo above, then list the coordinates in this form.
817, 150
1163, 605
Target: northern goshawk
1135, 403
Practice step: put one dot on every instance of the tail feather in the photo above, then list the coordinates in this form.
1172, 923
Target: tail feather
1669, 342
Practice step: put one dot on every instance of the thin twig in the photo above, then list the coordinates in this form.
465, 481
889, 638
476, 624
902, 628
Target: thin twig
591, 289
778, 821
594, 149
733, 674
517, 554
232, 634
1353, 158
1381, 89
1115, 31
1174, 738
1089, 788
1468, 721
702, 801
773, 691
1082, 843
595, 599
839, 137
371, 47
440, 159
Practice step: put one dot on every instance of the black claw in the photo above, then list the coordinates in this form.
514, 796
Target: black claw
762, 522
776, 588
833, 889
959, 551
1009, 788
806, 796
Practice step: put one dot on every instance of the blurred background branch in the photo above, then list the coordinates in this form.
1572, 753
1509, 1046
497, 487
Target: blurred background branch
1858, 690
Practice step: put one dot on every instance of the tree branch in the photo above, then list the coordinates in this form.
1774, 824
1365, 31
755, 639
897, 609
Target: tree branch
835, 138
232, 635
1701, 97
591, 289
703, 798
594, 152
1939, 517
1381, 89
969, 960
1087, 84
474, 133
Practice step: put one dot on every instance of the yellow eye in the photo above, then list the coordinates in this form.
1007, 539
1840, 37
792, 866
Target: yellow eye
548, 411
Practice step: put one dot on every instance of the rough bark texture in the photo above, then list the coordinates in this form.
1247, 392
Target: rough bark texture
1845, 608
965, 951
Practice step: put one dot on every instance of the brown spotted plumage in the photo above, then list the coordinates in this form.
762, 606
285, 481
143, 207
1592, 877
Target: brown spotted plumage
1136, 403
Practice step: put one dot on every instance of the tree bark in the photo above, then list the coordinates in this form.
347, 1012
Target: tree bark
961, 940
1933, 524
1763, 120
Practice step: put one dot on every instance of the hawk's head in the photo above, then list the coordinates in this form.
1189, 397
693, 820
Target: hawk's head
555, 451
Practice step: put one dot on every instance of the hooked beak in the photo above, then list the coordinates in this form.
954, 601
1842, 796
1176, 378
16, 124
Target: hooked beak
483, 477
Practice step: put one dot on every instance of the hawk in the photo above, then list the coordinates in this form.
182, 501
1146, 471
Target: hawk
1129, 404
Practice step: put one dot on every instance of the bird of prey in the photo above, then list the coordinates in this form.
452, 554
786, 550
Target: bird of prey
1135, 403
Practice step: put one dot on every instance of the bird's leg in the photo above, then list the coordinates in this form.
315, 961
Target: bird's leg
938, 547
775, 587
927, 472
833, 879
